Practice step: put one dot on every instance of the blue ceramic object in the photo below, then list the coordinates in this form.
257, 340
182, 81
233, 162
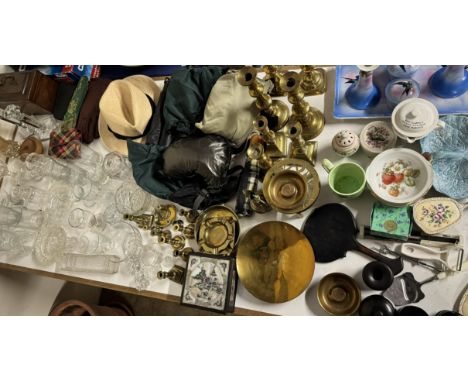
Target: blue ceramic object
402, 71
449, 82
363, 94
449, 148
401, 89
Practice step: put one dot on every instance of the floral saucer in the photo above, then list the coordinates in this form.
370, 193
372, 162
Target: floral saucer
435, 215
399, 177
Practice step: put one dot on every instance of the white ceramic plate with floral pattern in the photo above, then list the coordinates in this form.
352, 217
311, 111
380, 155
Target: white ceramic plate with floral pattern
399, 177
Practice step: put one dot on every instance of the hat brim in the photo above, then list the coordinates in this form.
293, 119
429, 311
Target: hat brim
109, 141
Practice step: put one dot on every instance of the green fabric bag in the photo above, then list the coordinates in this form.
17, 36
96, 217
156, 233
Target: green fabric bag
185, 99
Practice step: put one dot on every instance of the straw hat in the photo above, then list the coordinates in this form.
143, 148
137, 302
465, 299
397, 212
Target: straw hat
127, 111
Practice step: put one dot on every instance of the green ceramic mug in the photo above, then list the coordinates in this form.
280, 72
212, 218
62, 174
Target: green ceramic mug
347, 179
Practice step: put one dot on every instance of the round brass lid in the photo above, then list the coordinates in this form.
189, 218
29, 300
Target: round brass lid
339, 294
275, 261
291, 186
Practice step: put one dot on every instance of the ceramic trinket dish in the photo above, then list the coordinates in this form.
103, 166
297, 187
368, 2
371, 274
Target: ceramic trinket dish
415, 118
345, 143
377, 137
399, 177
435, 215
400, 90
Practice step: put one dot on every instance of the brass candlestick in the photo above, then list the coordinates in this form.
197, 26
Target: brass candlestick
189, 231
164, 237
314, 80
311, 119
299, 148
184, 253
256, 152
277, 111
276, 144
144, 221
175, 274
190, 215
272, 74
165, 215
177, 242
178, 225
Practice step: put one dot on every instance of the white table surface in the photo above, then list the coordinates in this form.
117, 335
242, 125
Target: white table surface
443, 294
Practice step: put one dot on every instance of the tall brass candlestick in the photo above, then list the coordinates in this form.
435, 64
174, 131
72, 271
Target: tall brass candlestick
272, 74
314, 80
275, 142
277, 111
311, 119
299, 148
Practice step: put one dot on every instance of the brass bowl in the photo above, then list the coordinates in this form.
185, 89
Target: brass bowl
217, 230
338, 294
291, 185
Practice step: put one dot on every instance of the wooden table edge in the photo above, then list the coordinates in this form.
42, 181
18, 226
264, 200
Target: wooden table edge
117, 287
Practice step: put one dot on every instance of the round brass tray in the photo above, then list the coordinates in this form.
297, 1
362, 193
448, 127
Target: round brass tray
338, 294
291, 185
217, 230
275, 261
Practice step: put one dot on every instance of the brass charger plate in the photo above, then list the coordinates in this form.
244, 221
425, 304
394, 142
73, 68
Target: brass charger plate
217, 230
275, 261
338, 294
291, 185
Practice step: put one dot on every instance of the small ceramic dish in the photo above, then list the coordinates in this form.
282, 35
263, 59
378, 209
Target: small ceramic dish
415, 118
377, 137
435, 215
399, 177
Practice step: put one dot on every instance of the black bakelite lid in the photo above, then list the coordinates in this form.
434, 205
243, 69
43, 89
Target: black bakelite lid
412, 311
447, 313
376, 305
377, 275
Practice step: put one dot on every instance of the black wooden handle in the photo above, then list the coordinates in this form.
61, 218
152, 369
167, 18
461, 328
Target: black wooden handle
396, 264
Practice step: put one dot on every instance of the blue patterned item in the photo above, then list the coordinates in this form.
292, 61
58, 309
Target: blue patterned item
449, 149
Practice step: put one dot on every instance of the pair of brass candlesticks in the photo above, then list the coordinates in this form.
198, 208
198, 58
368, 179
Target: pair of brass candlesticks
295, 86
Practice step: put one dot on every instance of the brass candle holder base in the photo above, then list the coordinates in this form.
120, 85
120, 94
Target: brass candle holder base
314, 80
190, 215
311, 119
177, 242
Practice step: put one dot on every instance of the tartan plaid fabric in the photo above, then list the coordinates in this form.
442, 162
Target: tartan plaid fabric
248, 185
65, 144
